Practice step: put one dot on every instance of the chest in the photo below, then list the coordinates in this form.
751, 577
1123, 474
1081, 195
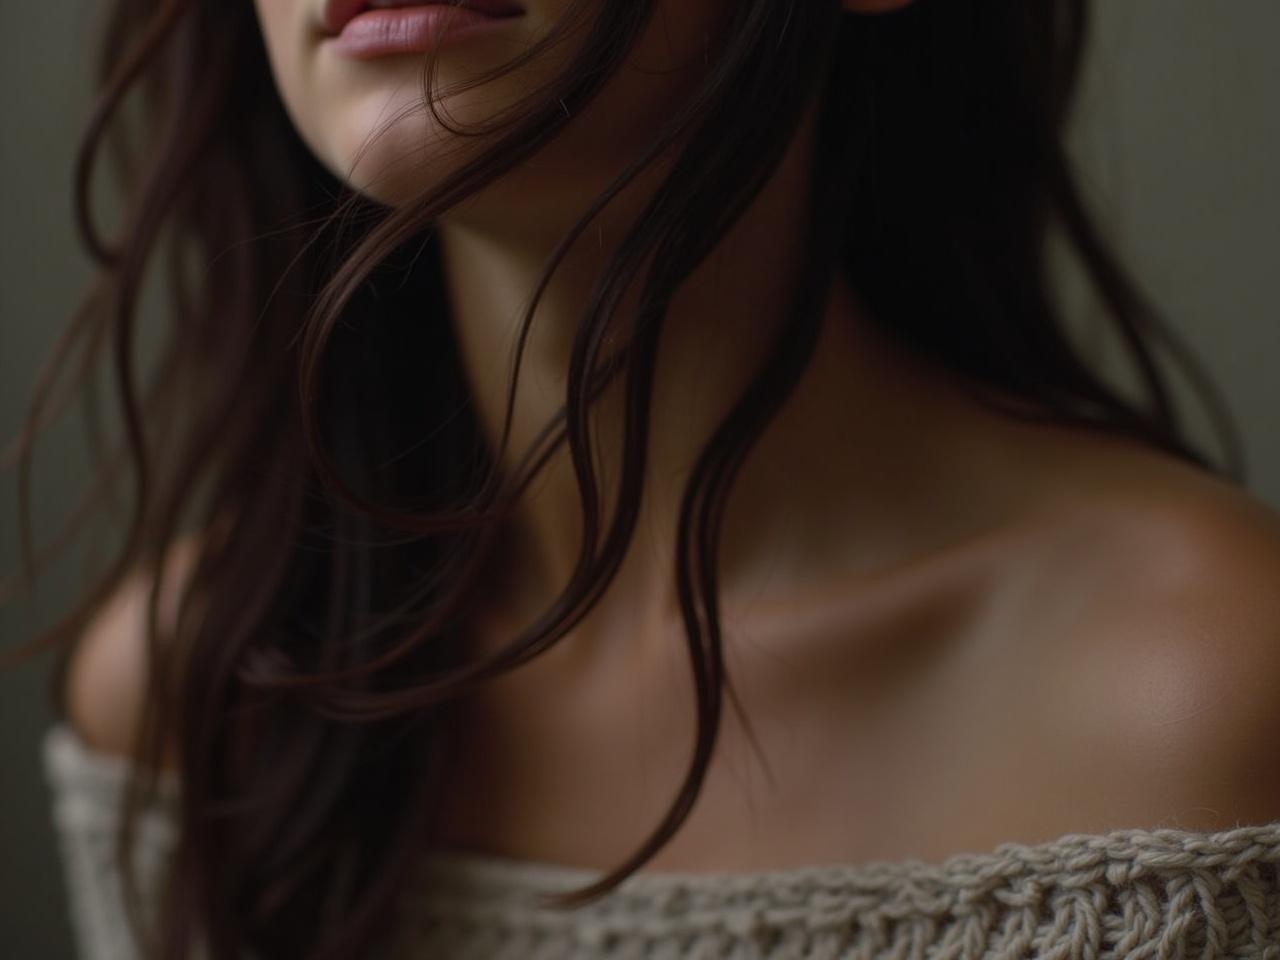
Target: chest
917, 735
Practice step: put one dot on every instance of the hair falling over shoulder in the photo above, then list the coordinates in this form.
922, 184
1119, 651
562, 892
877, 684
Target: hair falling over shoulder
309, 432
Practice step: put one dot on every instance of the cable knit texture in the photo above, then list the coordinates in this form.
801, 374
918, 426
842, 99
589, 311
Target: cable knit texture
1162, 894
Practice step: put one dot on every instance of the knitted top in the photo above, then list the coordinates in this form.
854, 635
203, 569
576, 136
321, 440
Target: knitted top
1131, 893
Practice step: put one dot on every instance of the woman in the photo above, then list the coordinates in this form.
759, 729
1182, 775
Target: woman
522, 352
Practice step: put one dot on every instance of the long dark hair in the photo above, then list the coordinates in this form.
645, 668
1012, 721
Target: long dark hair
343, 500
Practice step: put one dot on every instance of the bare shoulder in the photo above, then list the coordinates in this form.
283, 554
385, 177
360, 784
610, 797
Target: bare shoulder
1163, 651
106, 676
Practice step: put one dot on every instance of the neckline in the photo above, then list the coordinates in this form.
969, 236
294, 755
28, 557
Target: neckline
1140, 850
1124, 887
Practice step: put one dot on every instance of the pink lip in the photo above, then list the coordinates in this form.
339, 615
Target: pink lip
338, 13
420, 28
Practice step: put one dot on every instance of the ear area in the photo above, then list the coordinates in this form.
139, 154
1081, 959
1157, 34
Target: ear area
874, 6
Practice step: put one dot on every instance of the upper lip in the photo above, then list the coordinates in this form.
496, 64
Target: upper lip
338, 13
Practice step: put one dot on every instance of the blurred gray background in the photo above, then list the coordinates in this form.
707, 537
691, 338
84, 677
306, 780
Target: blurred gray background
1178, 137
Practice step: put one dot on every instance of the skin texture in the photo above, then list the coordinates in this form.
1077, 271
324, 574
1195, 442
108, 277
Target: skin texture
928, 608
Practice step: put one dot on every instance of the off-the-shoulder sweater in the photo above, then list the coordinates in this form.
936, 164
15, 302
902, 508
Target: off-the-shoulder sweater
1162, 894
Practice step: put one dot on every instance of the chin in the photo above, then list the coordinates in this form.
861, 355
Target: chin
391, 149
391, 180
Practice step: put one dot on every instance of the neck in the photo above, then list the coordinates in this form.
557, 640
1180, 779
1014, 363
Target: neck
844, 478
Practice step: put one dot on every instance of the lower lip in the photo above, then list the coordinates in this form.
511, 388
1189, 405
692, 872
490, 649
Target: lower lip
396, 30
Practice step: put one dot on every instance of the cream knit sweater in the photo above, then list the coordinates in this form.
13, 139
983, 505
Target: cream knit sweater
1159, 894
